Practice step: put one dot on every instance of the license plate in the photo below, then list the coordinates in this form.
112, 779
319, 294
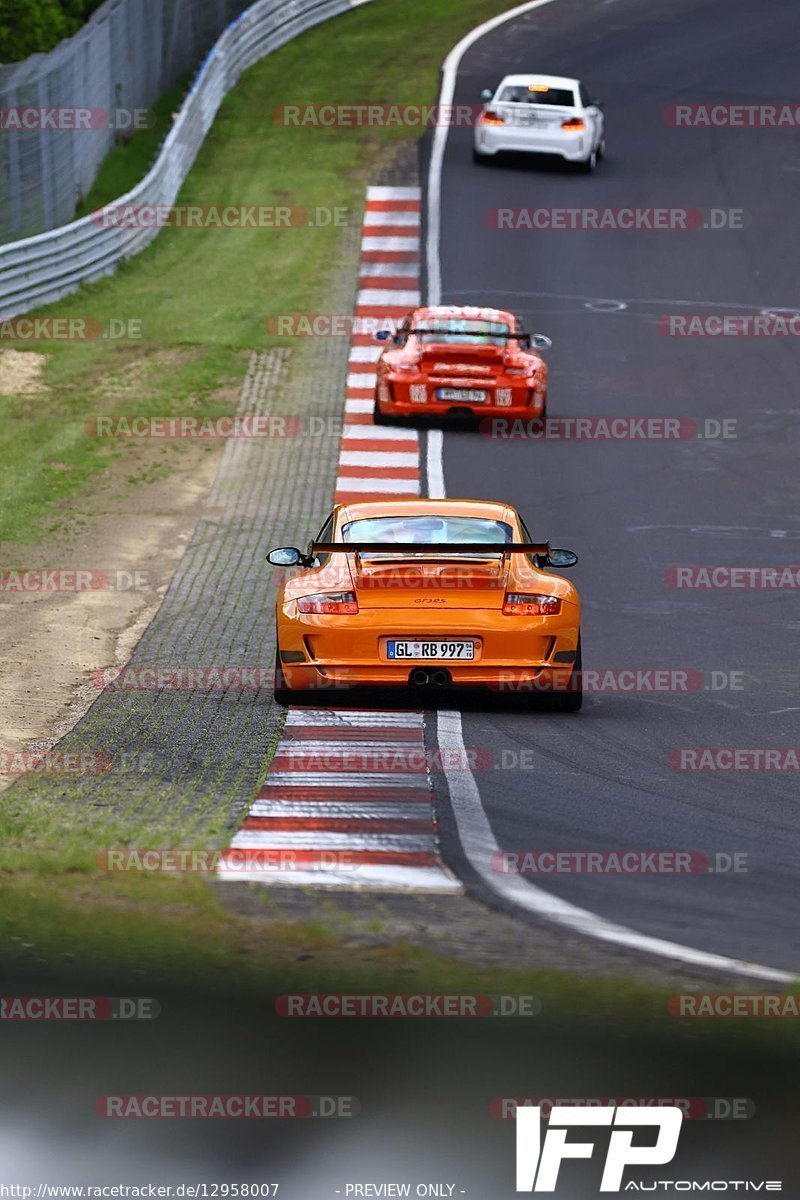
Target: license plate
470, 395
429, 650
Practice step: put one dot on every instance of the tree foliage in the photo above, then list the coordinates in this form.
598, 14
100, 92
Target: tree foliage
30, 26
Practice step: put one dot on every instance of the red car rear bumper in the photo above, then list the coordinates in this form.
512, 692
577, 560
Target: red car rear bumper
409, 395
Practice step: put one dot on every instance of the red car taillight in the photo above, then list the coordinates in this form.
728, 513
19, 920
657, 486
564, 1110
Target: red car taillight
492, 118
525, 604
326, 603
573, 124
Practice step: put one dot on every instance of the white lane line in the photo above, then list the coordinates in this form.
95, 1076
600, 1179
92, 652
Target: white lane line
376, 270
341, 810
379, 433
378, 458
368, 354
362, 379
353, 717
449, 76
319, 839
381, 191
479, 845
358, 406
374, 216
379, 744
398, 487
406, 242
352, 780
475, 832
359, 876
388, 298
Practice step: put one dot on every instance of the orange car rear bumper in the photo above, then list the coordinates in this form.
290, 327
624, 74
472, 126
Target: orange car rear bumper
510, 652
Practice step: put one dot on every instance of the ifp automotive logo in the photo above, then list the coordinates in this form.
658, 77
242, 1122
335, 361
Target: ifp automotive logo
539, 1160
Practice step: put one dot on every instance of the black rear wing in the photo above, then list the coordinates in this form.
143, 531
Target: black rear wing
502, 333
541, 549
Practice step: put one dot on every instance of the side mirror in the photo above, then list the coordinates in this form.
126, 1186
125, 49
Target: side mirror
383, 335
598, 103
287, 556
561, 558
486, 95
541, 341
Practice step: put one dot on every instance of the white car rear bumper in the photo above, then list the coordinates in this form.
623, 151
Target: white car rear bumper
492, 139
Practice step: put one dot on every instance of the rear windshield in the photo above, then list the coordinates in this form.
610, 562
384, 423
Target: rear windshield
522, 94
460, 330
427, 530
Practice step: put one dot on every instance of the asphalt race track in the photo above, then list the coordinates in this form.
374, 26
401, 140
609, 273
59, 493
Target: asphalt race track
633, 509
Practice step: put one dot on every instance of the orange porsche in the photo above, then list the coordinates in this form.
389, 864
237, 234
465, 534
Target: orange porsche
456, 361
428, 594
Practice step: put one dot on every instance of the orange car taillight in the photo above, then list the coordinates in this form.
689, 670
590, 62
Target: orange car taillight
492, 118
573, 124
327, 603
525, 604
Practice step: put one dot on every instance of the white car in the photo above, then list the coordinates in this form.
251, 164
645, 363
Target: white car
541, 114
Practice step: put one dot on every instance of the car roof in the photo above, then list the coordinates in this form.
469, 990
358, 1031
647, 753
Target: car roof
492, 509
470, 312
554, 81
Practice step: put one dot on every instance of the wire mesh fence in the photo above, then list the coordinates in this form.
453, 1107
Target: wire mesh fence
61, 112
44, 172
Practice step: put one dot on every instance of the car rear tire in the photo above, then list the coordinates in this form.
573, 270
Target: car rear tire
480, 159
283, 695
589, 165
571, 700
601, 150
382, 418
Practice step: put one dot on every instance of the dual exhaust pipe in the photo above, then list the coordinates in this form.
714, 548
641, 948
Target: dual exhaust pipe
422, 678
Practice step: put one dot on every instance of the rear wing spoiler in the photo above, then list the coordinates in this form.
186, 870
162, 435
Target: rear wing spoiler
541, 549
505, 333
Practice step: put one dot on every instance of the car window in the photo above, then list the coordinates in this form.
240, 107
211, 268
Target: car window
325, 535
586, 99
463, 331
524, 94
427, 530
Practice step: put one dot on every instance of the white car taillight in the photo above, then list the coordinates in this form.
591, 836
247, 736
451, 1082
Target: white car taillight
531, 604
418, 393
326, 603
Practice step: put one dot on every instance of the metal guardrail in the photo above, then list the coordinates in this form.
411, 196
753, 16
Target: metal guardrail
43, 268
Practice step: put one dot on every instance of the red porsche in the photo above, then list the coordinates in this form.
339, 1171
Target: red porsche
447, 360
